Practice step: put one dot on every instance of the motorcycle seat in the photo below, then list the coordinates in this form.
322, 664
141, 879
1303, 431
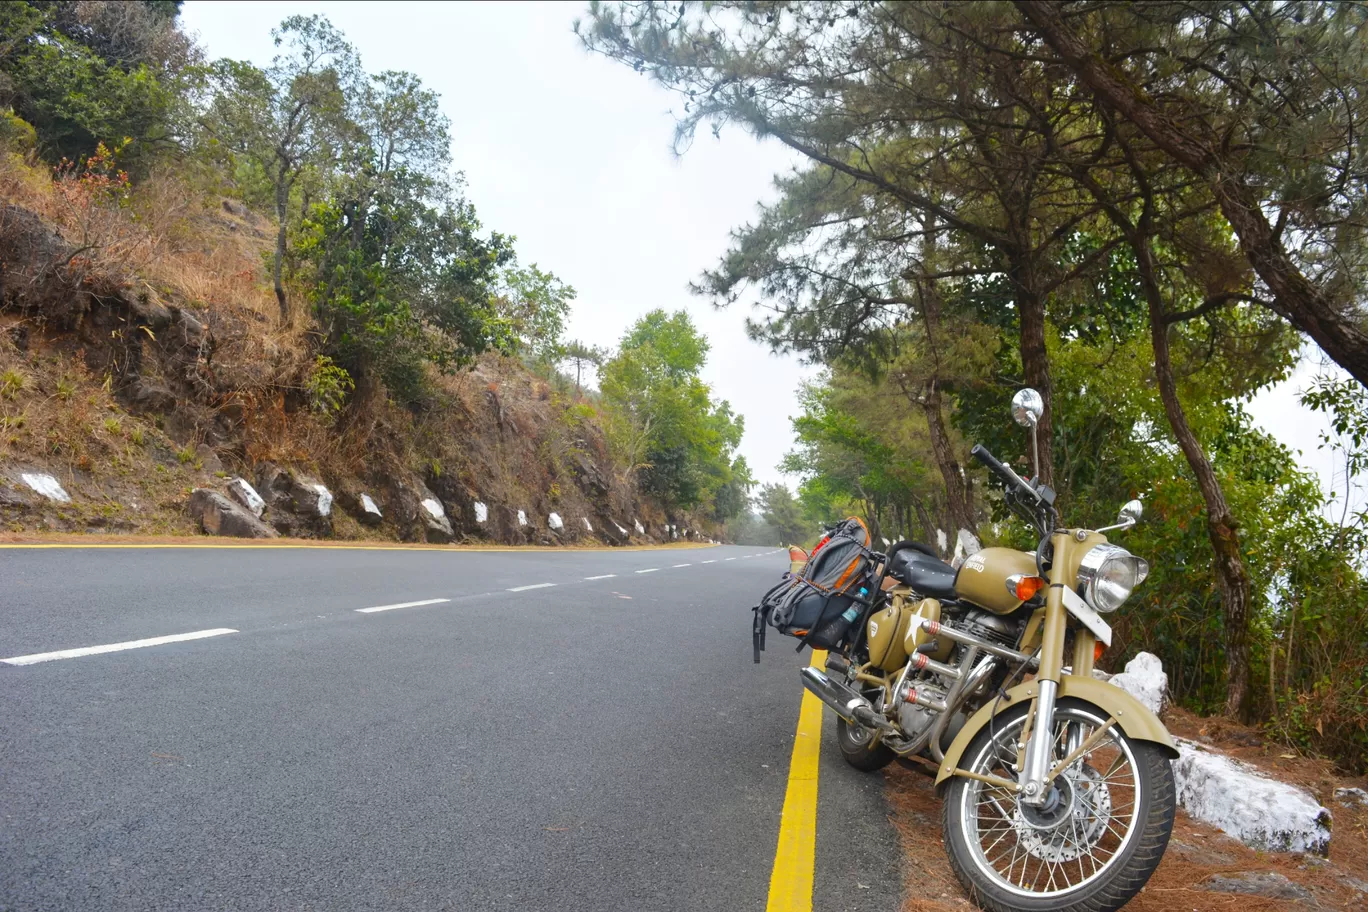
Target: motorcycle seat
926, 575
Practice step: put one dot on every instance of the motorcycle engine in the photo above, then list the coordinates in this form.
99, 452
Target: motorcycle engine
916, 719
991, 627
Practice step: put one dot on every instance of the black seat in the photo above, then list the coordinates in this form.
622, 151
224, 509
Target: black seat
926, 575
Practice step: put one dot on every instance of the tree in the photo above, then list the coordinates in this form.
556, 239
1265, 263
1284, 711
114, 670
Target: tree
581, 355
909, 102
782, 513
290, 118
404, 283
535, 304
661, 415
1262, 102
92, 72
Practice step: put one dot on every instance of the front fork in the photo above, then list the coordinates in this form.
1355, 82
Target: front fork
1035, 773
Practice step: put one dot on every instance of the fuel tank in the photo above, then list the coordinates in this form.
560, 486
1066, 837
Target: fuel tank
983, 578
896, 630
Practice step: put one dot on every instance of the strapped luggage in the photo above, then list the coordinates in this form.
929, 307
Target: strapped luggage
820, 602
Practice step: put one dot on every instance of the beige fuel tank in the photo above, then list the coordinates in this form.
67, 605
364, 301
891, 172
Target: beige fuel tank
983, 578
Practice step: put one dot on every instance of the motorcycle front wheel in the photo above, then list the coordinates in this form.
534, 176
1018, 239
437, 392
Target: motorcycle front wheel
1093, 845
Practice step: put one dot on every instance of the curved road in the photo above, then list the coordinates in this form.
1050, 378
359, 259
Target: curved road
550, 731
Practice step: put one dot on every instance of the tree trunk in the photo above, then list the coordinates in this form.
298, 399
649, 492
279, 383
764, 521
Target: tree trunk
1296, 299
1035, 362
1232, 580
958, 491
282, 201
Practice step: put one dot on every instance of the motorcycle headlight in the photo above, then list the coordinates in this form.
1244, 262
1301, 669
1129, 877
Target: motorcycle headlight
1107, 576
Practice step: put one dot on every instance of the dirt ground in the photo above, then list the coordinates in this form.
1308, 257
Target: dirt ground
1196, 851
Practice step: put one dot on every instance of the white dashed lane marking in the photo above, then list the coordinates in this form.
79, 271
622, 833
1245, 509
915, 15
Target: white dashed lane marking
401, 605
677, 566
533, 586
710, 561
652, 570
115, 647
604, 576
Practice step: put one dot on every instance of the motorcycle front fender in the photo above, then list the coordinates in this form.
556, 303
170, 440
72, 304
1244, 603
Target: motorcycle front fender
1132, 716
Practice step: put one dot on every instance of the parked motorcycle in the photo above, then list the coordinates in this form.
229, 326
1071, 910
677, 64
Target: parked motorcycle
1057, 787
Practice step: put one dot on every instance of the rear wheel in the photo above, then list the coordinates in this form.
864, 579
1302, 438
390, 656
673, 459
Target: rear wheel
855, 741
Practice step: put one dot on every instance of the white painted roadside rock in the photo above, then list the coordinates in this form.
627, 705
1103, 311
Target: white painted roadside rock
1260, 812
1351, 797
942, 542
621, 531
481, 512
641, 530
554, 521
522, 518
587, 527
436, 525
46, 485
325, 499
1144, 679
367, 512
242, 491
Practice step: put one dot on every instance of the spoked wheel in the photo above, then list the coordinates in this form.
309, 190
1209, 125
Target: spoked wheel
1096, 840
855, 741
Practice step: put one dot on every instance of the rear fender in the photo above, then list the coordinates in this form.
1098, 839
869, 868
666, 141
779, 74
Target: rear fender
1132, 717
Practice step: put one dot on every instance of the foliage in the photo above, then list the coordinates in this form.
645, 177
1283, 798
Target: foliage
784, 516
662, 418
403, 283
85, 73
328, 386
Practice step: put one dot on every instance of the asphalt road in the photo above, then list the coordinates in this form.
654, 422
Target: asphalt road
596, 744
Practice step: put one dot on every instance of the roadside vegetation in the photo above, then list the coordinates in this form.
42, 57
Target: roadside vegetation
211, 266
1147, 212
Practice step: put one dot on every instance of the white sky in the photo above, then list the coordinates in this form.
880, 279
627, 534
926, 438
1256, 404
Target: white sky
572, 154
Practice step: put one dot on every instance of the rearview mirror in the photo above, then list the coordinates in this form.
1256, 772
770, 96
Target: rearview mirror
1027, 407
1131, 511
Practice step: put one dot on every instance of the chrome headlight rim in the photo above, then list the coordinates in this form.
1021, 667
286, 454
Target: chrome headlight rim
1092, 567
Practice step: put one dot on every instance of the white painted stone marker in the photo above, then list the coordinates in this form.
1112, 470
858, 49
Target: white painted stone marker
46, 485
1260, 812
585, 520
522, 518
325, 499
641, 530
481, 512
554, 521
242, 491
369, 506
434, 508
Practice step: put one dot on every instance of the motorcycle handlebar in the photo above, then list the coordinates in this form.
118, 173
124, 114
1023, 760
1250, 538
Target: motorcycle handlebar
1012, 479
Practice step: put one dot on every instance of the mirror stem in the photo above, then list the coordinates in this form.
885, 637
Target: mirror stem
1035, 448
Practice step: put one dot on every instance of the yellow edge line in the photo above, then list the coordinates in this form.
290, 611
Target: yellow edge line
795, 858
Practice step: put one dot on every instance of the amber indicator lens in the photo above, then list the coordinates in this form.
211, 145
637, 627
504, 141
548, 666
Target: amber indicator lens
1027, 586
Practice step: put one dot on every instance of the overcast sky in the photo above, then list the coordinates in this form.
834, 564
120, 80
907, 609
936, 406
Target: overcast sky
572, 153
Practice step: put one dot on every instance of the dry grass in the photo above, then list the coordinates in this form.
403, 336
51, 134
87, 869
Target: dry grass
494, 434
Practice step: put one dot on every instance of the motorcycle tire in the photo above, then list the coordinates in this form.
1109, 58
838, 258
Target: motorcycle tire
854, 743
1062, 846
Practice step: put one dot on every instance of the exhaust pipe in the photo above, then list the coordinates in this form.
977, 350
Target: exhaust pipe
847, 703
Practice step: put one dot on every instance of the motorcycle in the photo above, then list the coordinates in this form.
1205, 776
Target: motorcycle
1057, 787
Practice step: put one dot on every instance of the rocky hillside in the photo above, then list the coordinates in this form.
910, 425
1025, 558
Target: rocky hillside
145, 386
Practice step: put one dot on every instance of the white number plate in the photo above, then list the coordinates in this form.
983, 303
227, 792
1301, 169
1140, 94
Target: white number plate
1090, 619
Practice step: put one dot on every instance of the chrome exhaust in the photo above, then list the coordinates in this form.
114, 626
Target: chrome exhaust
839, 697
846, 702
